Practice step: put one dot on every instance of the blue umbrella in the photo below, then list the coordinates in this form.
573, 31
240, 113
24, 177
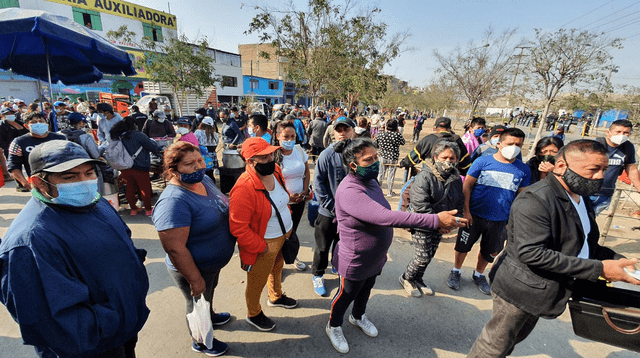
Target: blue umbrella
50, 47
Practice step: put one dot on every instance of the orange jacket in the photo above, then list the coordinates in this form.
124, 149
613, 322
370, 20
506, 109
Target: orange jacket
249, 214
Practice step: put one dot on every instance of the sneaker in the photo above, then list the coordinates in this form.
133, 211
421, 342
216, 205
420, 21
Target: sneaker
148, 212
454, 280
334, 271
482, 284
283, 301
318, 285
424, 288
391, 194
300, 266
261, 322
218, 349
367, 327
337, 338
410, 287
135, 212
221, 318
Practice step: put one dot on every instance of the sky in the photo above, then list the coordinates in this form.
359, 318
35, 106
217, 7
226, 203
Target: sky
434, 25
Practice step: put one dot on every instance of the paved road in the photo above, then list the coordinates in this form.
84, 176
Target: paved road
444, 325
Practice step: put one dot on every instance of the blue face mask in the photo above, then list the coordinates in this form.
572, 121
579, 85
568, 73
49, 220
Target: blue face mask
495, 141
288, 144
478, 132
369, 172
81, 193
251, 132
38, 128
192, 178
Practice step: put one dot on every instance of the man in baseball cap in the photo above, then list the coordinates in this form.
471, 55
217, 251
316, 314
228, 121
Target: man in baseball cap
86, 282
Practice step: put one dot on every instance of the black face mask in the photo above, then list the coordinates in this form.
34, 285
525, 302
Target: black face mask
579, 184
265, 169
547, 158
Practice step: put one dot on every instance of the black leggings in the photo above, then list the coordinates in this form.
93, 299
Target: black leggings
349, 291
426, 243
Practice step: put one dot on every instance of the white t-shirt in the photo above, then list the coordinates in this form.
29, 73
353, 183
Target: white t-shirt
293, 166
280, 198
375, 120
581, 208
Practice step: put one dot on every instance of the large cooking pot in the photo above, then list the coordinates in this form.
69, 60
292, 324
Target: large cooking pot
231, 159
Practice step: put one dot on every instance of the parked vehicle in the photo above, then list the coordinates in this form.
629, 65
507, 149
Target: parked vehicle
258, 107
163, 103
119, 102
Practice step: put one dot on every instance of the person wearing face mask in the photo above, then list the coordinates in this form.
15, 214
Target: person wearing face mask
490, 147
107, 119
58, 117
328, 173
621, 157
489, 188
159, 127
295, 170
138, 145
200, 114
365, 236
260, 218
140, 117
192, 220
77, 134
362, 130
389, 143
183, 132
257, 127
10, 129
545, 157
553, 240
21, 147
438, 187
231, 134
69, 264
473, 137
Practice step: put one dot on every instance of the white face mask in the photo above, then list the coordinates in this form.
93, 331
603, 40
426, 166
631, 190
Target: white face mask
160, 120
510, 152
10, 117
24, 110
619, 139
182, 130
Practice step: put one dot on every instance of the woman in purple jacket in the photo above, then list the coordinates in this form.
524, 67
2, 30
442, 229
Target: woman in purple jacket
365, 236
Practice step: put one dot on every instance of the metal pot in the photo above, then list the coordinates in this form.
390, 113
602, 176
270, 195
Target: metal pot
231, 159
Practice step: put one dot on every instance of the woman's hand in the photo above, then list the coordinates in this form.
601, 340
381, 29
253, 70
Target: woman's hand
198, 287
448, 220
545, 167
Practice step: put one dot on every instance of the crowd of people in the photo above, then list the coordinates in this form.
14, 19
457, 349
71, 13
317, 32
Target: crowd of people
87, 281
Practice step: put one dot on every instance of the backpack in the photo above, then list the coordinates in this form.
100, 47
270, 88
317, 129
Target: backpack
117, 156
206, 156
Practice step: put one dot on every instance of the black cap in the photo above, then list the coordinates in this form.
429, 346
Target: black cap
443, 122
496, 130
346, 121
57, 156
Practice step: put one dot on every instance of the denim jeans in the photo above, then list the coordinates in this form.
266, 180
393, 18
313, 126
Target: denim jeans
599, 203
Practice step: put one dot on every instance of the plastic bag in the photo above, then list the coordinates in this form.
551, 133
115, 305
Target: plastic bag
200, 322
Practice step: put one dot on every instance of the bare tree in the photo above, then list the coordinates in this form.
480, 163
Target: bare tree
480, 72
578, 58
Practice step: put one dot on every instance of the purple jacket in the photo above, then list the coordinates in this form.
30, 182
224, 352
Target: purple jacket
365, 225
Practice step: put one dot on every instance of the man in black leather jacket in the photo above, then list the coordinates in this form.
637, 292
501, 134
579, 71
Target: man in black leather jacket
553, 240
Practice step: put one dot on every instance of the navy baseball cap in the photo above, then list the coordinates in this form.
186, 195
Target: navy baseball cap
76, 117
345, 121
57, 156
184, 120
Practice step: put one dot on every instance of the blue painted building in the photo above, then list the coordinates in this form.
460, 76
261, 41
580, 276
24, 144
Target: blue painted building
264, 89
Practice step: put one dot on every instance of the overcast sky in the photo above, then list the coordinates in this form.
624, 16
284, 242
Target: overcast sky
440, 25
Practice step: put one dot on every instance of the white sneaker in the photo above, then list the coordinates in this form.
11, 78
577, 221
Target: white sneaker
337, 338
300, 266
367, 327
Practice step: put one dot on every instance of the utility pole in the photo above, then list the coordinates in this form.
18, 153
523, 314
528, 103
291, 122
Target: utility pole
515, 74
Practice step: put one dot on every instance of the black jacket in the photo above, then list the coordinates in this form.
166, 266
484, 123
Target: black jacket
424, 147
539, 265
428, 190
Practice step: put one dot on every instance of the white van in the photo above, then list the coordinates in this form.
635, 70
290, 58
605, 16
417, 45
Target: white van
162, 101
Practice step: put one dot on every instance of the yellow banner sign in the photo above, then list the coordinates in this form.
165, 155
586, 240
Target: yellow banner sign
125, 9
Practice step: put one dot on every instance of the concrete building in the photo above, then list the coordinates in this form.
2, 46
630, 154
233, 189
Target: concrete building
263, 89
273, 68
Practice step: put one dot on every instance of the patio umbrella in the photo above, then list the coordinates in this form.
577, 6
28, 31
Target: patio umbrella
50, 47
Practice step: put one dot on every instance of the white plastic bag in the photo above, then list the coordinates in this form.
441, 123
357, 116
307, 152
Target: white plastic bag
200, 322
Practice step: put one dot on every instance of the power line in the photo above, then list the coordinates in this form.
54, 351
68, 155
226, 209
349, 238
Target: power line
578, 18
634, 35
623, 25
616, 20
613, 13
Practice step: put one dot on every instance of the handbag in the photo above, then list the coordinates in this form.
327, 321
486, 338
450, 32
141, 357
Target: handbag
291, 246
606, 314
